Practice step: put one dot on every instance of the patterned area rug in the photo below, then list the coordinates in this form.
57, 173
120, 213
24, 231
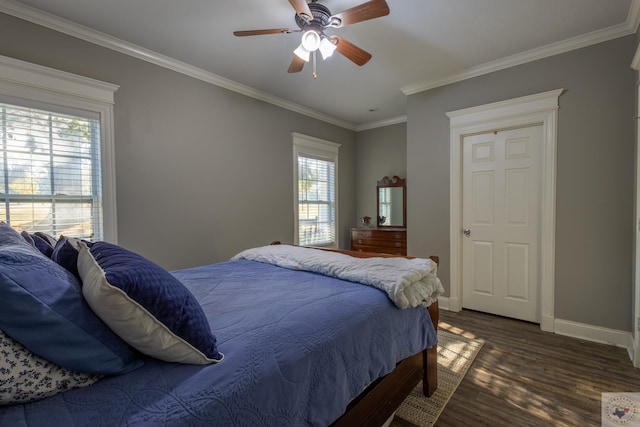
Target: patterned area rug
455, 355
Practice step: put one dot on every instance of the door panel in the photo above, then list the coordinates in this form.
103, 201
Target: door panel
482, 278
517, 200
482, 195
517, 271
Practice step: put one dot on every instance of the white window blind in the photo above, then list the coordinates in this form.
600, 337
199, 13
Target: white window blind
316, 191
50, 177
316, 201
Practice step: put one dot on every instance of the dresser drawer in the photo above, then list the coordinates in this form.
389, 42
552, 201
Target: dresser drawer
380, 242
379, 249
379, 234
361, 234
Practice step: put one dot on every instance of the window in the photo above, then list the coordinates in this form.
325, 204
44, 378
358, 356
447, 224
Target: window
57, 172
316, 191
50, 176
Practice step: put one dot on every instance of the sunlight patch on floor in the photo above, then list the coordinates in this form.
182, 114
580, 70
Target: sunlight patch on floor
456, 330
517, 396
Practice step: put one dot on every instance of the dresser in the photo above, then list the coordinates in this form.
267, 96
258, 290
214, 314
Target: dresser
380, 240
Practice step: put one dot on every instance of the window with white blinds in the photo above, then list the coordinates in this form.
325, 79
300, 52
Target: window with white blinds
316, 187
50, 177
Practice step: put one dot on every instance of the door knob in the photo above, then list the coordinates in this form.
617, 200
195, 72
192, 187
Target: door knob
466, 232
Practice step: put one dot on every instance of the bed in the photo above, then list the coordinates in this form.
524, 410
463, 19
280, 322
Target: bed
292, 348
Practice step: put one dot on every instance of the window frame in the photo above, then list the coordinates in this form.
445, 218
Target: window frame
316, 148
37, 84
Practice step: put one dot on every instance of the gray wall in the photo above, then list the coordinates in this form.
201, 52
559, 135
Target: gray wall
595, 173
202, 172
381, 152
198, 196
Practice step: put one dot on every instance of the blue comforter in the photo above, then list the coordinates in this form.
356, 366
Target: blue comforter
298, 347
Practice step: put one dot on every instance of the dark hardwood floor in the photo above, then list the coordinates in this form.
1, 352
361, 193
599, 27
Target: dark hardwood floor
525, 377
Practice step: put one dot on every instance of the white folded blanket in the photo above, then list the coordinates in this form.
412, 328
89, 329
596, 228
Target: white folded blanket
408, 282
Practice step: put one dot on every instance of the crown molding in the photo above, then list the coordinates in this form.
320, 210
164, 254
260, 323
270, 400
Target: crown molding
53, 22
606, 34
65, 26
381, 123
634, 21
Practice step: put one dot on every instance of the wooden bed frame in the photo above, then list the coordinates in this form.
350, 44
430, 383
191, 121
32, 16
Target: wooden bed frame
381, 399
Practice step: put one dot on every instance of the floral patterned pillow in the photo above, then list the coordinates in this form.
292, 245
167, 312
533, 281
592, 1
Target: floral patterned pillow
25, 376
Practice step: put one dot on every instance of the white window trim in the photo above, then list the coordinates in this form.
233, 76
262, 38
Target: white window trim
33, 82
304, 144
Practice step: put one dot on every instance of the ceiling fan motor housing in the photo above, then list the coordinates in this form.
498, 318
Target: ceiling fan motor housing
321, 16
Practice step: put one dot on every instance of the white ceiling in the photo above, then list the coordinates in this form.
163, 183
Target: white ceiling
419, 45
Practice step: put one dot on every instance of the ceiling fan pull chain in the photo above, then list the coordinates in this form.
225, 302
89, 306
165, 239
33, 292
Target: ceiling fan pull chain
315, 76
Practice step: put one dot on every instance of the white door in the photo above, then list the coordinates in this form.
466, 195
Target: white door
501, 221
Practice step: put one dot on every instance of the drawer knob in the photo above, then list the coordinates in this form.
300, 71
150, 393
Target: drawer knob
398, 236
398, 244
359, 241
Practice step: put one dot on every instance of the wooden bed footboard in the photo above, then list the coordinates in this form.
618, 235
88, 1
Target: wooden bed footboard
381, 399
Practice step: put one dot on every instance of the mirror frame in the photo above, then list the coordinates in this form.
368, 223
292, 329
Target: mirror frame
393, 182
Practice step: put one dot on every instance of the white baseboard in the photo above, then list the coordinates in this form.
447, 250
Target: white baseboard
581, 331
443, 303
595, 334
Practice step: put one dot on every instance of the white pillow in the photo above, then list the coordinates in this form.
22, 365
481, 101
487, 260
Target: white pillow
25, 376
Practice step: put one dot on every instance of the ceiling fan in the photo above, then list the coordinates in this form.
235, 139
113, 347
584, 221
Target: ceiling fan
313, 19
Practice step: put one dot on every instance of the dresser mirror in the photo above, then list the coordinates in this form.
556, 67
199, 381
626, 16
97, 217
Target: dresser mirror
392, 202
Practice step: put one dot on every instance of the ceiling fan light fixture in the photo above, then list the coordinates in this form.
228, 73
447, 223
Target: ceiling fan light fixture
302, 53
311, 40
327, 48
313, 19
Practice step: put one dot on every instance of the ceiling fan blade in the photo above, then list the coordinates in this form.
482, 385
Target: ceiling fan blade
296, 65
369, 10
302, 9
351, 51
262, 32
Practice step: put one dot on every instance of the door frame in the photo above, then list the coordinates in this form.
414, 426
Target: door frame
635, 321
538, 109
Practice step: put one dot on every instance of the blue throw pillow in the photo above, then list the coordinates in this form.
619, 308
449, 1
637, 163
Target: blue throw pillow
39, 243
42, 245
47, 238
42, 307
66, 254
145, 305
